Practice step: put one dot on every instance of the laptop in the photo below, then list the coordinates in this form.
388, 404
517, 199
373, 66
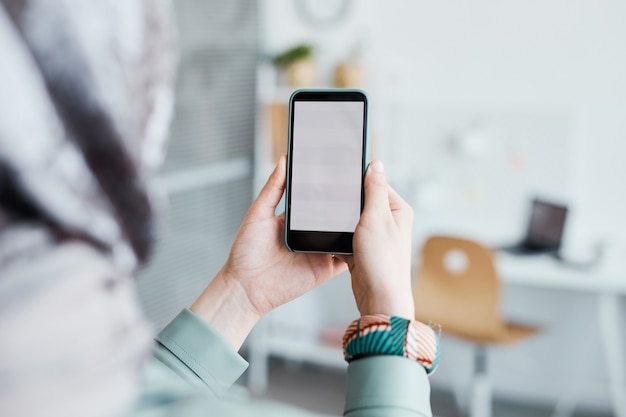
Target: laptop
545, 229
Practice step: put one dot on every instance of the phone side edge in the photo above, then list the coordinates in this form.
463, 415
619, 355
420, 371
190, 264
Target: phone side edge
288, 171
366, 145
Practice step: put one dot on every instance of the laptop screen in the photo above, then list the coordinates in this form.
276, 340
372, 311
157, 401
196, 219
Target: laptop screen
547, 222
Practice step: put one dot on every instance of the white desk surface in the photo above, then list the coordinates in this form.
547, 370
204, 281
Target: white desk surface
608, 284
545, 272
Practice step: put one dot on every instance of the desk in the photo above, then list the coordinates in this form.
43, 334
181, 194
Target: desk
608, 286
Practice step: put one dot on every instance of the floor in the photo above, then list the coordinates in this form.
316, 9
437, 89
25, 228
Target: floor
322, 390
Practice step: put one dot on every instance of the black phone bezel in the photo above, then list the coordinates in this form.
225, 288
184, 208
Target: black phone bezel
321, 241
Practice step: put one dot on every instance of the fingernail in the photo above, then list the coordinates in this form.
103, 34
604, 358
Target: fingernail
377, 166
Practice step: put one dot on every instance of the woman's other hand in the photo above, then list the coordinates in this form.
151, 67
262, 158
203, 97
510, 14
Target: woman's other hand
381, 263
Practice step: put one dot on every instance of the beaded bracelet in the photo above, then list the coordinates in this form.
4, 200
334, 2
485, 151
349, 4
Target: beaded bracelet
391, 335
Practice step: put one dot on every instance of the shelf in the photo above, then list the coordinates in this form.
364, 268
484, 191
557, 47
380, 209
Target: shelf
307, 351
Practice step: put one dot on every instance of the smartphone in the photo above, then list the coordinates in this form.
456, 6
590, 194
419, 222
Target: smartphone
327, 155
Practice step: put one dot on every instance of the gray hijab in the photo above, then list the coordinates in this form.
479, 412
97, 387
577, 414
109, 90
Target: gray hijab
86, 97
85, 101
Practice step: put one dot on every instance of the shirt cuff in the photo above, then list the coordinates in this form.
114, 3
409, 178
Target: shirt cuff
387, 382
198, 353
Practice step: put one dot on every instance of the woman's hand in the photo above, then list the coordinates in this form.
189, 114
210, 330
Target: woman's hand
381, 263
260, 273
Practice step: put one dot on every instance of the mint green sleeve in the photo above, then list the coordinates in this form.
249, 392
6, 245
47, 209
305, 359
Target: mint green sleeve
193, 369
387, 385
198, 354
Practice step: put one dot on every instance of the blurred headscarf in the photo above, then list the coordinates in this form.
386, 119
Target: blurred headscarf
86, 93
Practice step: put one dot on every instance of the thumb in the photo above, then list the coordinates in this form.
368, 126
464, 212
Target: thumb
269, 197
375, 188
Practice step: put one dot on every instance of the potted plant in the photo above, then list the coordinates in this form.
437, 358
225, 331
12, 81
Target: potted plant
298, 66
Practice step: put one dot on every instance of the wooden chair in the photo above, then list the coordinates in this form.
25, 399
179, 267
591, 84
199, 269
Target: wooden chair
464, 300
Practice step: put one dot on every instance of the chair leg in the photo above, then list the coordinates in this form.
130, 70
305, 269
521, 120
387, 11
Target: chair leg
480, 403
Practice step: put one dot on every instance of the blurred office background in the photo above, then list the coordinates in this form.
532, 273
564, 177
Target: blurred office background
476, 108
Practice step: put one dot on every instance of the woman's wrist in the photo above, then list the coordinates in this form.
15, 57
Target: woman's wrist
224, 305
392, 303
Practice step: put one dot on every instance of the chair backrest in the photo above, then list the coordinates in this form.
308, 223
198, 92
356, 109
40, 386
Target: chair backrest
463, 300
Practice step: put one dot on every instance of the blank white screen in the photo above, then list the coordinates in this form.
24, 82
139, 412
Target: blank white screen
326, 165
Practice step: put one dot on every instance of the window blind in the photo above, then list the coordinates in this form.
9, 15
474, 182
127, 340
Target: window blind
208, 170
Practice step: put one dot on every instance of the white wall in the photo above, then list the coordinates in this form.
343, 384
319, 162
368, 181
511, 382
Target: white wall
547, 81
